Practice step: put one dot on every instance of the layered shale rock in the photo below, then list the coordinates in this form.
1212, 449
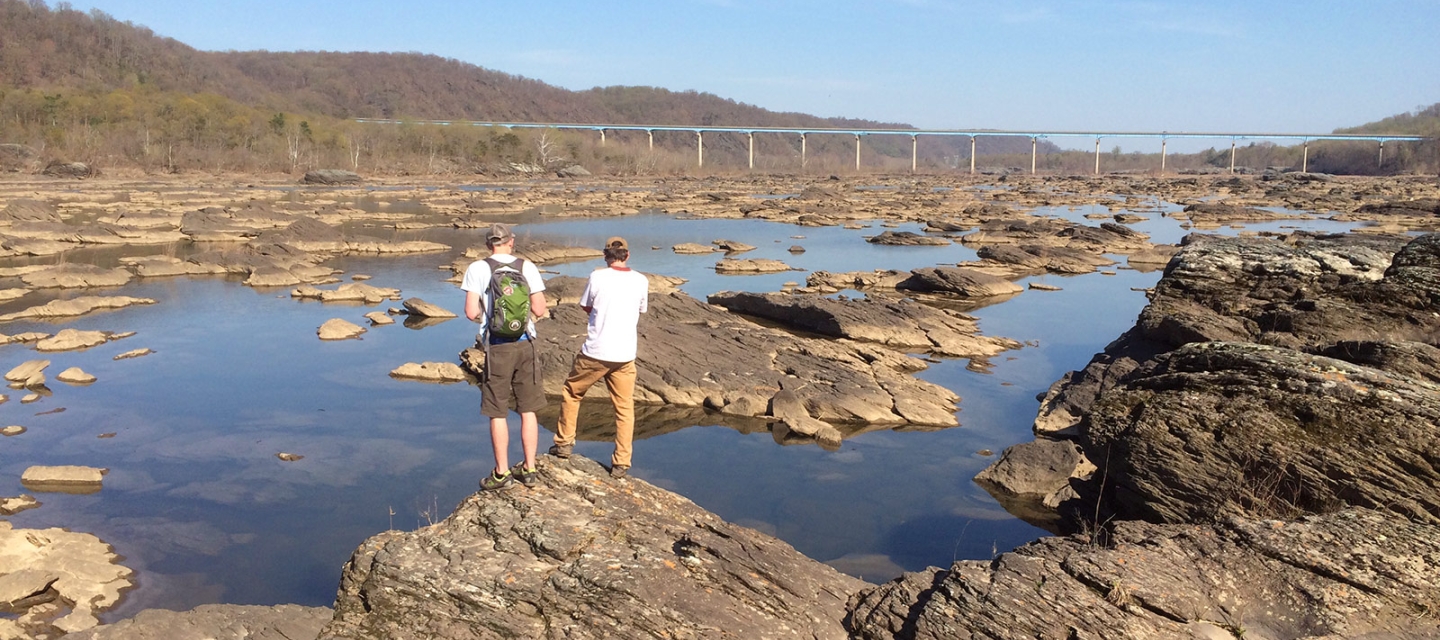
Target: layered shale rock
580, 555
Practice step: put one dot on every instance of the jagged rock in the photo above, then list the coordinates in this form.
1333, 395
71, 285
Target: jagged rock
430, 372
338, 329
28, 210
13, 505
216, 622
964, 282
331, 177
731, 246
72, 276
582, 556
379, 317
902, 324
908, 238
1352, 574
757, 265
841, 382
76, 572
418, 307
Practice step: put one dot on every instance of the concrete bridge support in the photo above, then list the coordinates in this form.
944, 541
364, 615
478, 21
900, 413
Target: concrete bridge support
802, 151
972, 155
1034, 143
650, 134
1305, 158
1097, 156
751, 135
1232, 155
602, 137
1163, 142
700, 148
915, 149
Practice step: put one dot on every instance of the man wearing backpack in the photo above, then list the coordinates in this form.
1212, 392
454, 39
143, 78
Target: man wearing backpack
614, 297
505, 294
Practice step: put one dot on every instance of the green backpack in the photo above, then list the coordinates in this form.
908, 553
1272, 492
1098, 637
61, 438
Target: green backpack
509, 293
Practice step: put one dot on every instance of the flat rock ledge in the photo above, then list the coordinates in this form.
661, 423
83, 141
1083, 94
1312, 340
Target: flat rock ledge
216, 622
1352, 574
56, 581
580, 555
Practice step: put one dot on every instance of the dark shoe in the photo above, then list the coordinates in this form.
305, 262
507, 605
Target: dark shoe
492, 482
561, 451
525, 476
619, 473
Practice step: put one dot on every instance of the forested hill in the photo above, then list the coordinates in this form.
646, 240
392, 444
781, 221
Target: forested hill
48, 48
1425, 121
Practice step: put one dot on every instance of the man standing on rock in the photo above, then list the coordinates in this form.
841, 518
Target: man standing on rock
511, 364
614, 297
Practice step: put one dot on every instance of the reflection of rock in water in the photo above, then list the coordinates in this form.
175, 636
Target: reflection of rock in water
597, 420
421, 322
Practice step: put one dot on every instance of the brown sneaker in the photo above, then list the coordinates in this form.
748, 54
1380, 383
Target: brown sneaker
561, 451
619, 473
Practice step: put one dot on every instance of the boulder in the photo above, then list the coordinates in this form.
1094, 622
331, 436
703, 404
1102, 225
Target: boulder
968, 283
421, 308
753, 266
377, 318
75, 375
62, 169
27, 370
1351, 574
72, 339
331, 177
573, 171
731, 246
908, 238
430, 372
338, 329
580, 555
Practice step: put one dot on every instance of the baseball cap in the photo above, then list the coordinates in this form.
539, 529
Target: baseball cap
498, 233
616, 242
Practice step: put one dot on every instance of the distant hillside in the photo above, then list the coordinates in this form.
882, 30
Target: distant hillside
1423, 122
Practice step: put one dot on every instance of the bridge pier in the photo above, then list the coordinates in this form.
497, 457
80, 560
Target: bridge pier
1381, 162
1034, 142
1305, 158
802, 151
1163, 142
915, 148
650, 133
1232, 155
751, 135
857, 152
602, 137
1097, 156
699, 148
972, 155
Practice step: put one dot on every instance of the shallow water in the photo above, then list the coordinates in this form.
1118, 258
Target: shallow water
197, 503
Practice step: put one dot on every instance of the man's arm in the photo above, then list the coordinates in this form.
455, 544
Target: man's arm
472, 304
537, 305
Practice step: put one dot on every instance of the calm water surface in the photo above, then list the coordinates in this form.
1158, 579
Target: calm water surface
197, 503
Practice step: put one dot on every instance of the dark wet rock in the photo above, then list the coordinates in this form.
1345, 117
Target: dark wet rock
217, 622
1352, 574
582, 556
901, 323
693, 354
907, 238
62, 169
331, 177
28, 210
968, 283
796, 249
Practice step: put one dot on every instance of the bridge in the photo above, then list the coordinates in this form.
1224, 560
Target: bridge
1034, 136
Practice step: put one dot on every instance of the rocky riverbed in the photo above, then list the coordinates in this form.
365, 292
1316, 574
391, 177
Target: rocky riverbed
1223, 428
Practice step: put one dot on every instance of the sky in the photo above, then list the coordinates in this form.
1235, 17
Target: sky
1252, 66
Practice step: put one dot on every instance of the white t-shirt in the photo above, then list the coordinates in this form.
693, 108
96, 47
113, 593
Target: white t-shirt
477, 279
616, 298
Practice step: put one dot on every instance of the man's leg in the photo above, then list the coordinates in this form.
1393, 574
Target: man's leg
584, 373
621, 383
500, 441
529, 437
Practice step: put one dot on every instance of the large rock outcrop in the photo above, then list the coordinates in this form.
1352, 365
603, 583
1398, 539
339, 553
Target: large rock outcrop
1270, 378
580, 555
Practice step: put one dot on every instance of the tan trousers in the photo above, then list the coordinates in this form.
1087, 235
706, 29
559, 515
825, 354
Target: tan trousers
620, 380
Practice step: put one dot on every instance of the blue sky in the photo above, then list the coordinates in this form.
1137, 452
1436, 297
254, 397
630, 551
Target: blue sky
1235, 66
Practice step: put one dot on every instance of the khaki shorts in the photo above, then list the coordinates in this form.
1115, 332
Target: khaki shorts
511, 375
